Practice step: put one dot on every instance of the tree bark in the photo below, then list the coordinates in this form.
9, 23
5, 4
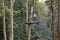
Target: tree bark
58, 29
4, 23
54, 22
11, 33
27, 19
51, 13
29, 36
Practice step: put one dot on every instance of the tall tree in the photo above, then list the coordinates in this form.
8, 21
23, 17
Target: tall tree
31, 6
53, 17
4, 23
58, 29
27, 18
11, 3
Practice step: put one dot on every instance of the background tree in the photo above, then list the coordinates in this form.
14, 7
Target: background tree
4, 23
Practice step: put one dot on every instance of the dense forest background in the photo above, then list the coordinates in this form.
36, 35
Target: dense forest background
29, 20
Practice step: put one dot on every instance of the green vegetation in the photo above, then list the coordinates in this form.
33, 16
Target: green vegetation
13, 17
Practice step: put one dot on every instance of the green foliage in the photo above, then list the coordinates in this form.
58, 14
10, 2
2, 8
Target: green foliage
18, 11
0, 10
38, 6
19, 18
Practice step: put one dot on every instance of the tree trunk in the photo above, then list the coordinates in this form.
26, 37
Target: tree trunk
51, 17
58, 29
11, 20
29, 32
54, 19
4, 23
27, 19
